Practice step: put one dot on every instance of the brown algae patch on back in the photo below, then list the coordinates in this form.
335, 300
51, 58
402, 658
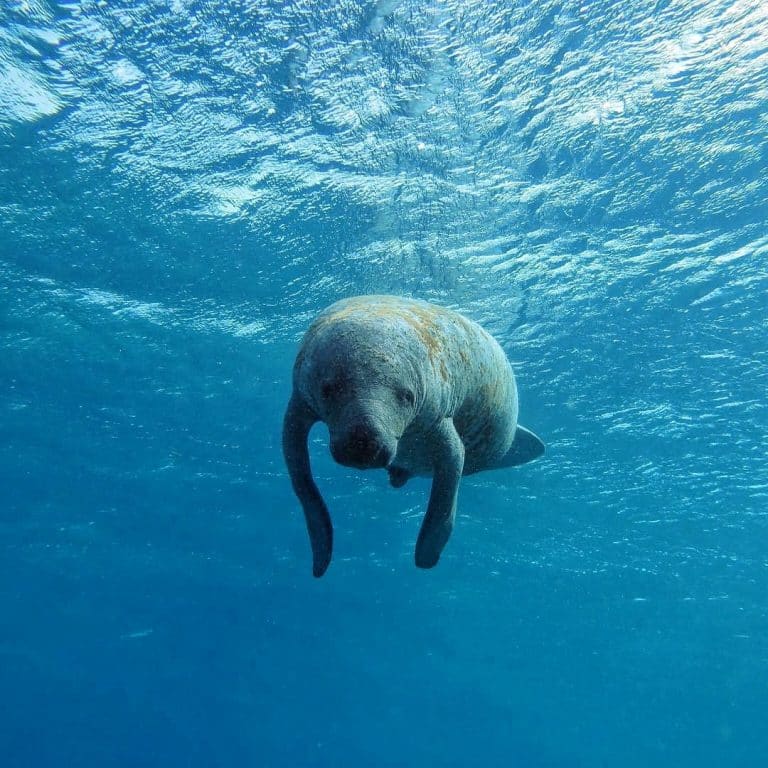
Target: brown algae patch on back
423, 320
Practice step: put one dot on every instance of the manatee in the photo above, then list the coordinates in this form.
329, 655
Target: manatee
409, 387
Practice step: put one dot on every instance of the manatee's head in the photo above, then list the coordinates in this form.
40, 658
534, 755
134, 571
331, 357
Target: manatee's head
365, 387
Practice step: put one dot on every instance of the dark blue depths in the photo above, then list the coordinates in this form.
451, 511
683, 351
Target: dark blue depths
184, 184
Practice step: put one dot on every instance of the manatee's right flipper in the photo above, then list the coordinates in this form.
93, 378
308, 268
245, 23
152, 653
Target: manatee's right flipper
525, 447
448, 461
298, 420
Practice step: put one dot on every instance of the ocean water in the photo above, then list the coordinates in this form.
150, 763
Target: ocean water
184, 184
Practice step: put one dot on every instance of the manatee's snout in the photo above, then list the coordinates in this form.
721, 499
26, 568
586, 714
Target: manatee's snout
362, 447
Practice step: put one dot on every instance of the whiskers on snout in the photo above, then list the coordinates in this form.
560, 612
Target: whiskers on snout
362, 448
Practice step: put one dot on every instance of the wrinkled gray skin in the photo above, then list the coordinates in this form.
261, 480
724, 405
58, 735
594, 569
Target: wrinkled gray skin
410, 387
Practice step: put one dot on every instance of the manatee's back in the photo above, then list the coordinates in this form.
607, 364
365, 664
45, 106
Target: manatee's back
486, 417
370, 336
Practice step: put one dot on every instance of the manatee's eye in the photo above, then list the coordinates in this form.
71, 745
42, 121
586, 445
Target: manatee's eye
406, 396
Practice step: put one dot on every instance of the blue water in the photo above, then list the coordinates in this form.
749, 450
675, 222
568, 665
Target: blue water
184, 184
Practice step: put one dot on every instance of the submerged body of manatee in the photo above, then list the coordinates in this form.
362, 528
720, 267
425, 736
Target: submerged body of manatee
186, 186
409, 387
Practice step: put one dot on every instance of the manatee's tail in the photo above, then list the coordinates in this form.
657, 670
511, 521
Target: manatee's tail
525, 447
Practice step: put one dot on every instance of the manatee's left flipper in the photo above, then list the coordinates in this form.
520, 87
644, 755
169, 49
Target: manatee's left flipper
448, 460
298, 420
525, 447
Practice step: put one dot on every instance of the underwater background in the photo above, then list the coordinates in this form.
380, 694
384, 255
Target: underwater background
185, 184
